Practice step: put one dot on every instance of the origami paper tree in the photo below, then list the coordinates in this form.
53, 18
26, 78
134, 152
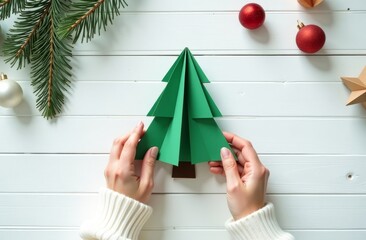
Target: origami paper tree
358, 88
184, 128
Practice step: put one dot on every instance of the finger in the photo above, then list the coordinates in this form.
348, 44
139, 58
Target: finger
250, 155
147, 169
237, 146
230, 167
240, 169
216, 167
241, 159
215, 164
246, 147
117, 147
129, 150
234, 140
217, 170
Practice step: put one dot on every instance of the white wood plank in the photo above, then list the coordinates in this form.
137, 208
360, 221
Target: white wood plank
221, 33
269, 135
178, 234
329, 234
34, 234
222, 234
233, 5
217, 68
233, 99
289, 174
186, 210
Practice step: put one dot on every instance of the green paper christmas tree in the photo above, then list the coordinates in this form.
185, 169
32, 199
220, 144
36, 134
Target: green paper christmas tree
184, 128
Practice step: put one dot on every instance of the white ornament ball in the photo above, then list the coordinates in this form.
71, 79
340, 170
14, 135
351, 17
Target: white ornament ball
11, 94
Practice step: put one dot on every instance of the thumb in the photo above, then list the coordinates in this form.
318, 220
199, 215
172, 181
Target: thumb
230, 167
148, 165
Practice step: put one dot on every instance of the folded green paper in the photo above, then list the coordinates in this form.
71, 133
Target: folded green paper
184, 128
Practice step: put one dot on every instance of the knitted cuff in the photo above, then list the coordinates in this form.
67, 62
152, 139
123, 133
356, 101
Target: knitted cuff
260, 225
118, 218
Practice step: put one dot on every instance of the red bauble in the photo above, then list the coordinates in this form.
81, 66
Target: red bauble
310, 38
252, 16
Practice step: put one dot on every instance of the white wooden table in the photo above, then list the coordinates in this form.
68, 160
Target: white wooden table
290, 105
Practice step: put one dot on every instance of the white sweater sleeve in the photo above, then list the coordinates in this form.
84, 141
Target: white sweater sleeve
260, 225
118, 217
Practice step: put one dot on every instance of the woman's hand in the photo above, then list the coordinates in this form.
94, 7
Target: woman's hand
246, 180
120, 172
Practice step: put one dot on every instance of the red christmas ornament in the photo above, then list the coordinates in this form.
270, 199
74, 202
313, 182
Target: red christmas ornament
252, 16
310, 38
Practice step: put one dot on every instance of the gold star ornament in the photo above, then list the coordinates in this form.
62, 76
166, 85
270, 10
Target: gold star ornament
358, 88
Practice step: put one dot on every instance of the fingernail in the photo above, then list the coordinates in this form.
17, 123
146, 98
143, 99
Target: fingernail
154, 152
225, 153
139, 124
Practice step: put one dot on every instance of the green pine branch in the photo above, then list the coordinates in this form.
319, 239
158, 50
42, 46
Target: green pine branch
20, 40
40, 39
51, 69
8, 7
88, 17
34, 40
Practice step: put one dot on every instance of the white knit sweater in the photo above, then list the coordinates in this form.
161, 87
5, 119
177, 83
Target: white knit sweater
118, 218
121, 218
260, 225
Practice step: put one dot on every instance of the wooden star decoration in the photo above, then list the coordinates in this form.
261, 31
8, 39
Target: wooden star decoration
310, 3
358, 88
